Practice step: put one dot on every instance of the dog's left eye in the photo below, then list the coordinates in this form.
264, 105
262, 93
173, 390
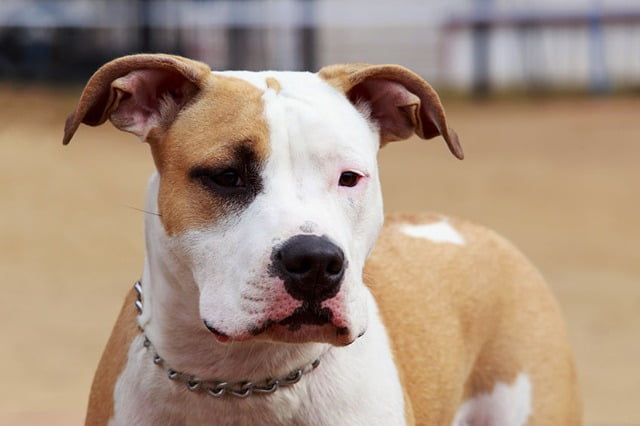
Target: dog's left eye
349, 179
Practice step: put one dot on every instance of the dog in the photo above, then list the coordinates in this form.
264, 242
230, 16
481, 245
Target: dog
275, 291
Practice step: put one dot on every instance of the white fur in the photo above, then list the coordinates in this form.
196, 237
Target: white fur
219, 273
439, 232
506, 405
354, 385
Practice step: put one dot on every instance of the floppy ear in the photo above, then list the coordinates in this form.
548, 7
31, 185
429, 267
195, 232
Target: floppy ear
138, 93
401, 102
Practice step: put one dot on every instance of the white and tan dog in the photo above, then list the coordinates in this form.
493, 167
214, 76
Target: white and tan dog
261, 264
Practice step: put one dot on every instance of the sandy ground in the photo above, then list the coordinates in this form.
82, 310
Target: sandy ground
559, 178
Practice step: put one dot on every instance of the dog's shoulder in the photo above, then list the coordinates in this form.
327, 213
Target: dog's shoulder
446, 265
437, 242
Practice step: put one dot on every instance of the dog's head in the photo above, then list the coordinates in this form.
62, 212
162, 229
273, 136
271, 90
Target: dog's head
267, 184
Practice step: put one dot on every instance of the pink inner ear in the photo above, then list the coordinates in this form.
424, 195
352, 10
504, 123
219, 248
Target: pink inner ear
393, 107
141, 97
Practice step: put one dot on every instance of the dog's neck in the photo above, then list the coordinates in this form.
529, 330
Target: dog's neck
172, 321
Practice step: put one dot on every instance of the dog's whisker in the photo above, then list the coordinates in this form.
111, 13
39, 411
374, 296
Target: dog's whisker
144, 211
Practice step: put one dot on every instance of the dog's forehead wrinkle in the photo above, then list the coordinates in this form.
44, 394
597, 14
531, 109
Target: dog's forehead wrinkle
305, 101
330, 144
300, 87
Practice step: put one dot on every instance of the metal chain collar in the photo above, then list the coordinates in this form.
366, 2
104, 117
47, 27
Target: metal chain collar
218, 388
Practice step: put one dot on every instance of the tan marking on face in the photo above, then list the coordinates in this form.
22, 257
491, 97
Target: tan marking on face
273, 84
227, 114
112, 364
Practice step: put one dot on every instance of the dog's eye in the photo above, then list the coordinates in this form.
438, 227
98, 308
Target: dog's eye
349, 179
228, 179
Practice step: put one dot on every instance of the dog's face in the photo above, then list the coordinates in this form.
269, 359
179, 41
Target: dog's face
272, 198
268, 187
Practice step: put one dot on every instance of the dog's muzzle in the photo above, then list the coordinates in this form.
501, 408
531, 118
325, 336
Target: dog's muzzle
310, 270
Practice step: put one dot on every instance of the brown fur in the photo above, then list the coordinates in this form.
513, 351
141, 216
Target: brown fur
178, 143
227, 103
112, 363
462, 318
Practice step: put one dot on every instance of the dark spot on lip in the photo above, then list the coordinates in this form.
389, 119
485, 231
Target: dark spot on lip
342, 331
255, 330
215, 331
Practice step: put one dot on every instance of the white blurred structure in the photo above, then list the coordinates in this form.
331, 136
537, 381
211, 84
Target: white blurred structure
548, 44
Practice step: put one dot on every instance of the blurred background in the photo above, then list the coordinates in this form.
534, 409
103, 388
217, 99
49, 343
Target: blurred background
544, 94
477, 45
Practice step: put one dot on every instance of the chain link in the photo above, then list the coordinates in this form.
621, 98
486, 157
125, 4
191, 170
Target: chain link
216, 388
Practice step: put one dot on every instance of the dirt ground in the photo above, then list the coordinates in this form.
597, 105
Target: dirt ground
560, 178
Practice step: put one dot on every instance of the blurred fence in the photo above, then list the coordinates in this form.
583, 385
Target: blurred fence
465, 44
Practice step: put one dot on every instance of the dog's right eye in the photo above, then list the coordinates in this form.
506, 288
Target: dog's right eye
227, 179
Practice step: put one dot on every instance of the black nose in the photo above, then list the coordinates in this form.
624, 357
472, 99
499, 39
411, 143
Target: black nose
311, 267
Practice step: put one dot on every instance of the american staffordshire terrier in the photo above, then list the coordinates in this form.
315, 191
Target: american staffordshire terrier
274, 291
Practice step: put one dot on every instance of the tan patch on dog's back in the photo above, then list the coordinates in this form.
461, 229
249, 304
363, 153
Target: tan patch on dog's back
464, 317
112, 364
227, 115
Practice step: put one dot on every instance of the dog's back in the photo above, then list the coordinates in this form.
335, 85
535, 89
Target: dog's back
477, 334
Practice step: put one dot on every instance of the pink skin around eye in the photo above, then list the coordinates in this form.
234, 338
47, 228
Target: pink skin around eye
363, 179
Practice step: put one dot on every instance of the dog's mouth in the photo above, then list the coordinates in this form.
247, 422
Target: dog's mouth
306, 333
307, 314
308, 323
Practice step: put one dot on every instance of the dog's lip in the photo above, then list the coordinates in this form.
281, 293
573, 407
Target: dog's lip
304, 332
273, 331
310, 315
302, 325
220, 336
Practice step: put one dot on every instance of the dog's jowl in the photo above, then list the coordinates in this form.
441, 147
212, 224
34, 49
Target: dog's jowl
274, 290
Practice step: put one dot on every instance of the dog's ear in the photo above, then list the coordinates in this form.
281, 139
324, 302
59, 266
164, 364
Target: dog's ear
401, 102
138, 93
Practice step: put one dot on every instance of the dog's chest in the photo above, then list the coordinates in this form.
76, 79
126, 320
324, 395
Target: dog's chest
343, 390
145, 396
